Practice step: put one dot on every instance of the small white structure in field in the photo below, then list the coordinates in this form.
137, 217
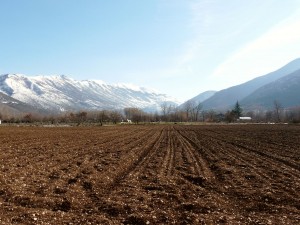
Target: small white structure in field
0, 121
245, 118
126, 122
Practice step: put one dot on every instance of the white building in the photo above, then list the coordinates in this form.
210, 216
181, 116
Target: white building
245, 118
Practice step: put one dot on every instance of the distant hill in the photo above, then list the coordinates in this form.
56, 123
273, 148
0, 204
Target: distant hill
224, 99
201, 97
285, 90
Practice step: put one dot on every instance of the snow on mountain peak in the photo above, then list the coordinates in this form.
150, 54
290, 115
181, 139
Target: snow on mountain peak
59, 92
131, 87
100, 82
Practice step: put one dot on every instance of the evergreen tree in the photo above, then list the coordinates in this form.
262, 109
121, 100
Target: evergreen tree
237, 110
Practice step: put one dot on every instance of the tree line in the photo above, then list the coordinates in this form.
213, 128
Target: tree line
190, 111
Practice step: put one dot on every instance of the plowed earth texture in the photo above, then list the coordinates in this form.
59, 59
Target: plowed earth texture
240, 174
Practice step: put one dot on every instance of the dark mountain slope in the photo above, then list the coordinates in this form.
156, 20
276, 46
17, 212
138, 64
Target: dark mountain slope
285, 90
224, 99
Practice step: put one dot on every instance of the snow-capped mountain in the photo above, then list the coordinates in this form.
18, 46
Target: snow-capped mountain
61, 93
11, 106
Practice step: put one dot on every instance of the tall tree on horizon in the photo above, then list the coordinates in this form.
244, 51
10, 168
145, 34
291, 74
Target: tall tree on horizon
237, 110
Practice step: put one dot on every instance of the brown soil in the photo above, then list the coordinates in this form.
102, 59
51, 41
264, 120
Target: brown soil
241, 174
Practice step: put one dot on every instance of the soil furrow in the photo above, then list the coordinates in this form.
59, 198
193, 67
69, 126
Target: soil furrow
199, 163
167, 166
150, 174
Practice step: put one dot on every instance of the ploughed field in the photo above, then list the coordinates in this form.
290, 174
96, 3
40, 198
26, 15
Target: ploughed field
230, 174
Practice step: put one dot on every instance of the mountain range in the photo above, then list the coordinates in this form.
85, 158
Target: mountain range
282, 85
44, 94
61, 93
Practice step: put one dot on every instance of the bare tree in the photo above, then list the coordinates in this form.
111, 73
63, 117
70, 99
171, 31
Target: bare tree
28, 118
129, 113
137, 115
192, 110
81, 117
188, 108
115, 116
164, 109
102, 116
268, 116
294, 115
277, 110
197, 111
229, 116
171, 109
211, 115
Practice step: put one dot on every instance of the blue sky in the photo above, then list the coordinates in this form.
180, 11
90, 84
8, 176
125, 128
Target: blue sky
179, 47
